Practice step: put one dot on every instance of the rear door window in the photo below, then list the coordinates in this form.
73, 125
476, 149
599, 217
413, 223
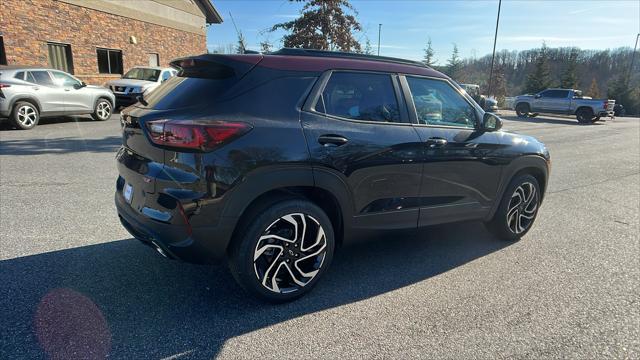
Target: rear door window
39, 77
360, 96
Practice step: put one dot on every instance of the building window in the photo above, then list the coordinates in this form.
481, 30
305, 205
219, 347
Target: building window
60, 57
154, 59
110, 61
3, 55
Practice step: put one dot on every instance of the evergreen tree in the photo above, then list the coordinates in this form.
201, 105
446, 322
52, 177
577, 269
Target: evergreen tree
538, 80
570, 76
367, 48
242, 45
594, 91
454, 64
428, 55
322, 25
266, 47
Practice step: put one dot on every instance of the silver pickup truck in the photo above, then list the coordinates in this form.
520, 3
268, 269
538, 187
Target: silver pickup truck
565, 102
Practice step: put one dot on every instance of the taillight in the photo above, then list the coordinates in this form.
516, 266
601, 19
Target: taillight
606, 103
195, 135
4, 85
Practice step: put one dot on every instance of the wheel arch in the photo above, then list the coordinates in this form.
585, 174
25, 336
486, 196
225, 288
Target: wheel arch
255, 195
583, 107
533, 165
30, 99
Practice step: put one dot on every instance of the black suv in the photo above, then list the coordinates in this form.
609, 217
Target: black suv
273, 161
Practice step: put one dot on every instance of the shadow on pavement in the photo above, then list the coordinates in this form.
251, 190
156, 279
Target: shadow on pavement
545, 120
59, 145
122, 299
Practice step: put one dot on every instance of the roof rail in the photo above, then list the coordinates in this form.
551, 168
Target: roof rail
340, 54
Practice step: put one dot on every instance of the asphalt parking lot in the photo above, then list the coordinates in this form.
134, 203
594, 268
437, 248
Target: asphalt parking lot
74, 284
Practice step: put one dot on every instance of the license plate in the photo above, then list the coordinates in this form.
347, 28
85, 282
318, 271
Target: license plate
128, 192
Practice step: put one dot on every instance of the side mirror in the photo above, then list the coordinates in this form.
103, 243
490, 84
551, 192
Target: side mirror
491, 122
537, 96
80, 85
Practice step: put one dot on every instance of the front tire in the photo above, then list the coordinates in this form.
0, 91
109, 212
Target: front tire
102, 111
517, 210
25, 115
522, 110
284, 251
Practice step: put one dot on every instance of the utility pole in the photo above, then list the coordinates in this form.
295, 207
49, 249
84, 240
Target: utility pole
379, 30
495, 39
633, 57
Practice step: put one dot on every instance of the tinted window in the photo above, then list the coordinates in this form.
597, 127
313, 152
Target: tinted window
360, 96
562, 94
19, 75
39, 77
546, 93
438, 103
63, 79
109, 61
180, 92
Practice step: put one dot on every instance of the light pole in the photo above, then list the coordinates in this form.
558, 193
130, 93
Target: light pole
633, 57
495, 38
379, 30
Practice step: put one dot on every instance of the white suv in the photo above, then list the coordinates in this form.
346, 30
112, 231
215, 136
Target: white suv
136, 82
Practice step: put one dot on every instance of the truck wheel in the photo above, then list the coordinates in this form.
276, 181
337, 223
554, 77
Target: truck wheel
522, 110
584, 115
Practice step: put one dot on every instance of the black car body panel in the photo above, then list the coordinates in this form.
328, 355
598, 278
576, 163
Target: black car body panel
379, 174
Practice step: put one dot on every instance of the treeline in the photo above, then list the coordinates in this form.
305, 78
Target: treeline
598, 73
331, 25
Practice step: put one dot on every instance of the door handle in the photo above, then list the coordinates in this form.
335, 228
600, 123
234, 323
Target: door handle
36, 88
335, 140
67, 89
436, 142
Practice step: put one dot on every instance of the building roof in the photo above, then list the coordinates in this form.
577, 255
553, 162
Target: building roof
212, 15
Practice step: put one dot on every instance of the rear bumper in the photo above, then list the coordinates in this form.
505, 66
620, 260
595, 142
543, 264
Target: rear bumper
605, 113
200, 245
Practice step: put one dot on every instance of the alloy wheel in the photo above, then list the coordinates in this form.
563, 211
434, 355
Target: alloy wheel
522, 208
103, 110
27, 115
290, 253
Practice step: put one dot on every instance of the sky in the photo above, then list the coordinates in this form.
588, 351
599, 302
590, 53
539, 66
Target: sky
406, 25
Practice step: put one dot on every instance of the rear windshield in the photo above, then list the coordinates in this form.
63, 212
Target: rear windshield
142, 74
181, 92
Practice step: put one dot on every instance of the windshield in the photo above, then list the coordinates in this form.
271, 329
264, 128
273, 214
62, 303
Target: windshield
142, 74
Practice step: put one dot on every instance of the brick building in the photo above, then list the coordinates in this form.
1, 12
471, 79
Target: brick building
98, 40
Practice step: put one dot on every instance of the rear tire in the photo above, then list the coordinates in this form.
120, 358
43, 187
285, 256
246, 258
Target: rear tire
522, 110
280, 254
517, 210
585, 115
25, 115
102, 110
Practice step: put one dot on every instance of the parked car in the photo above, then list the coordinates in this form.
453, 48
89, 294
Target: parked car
273, 161
137, 81
565, 102
27, 94
486, 103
